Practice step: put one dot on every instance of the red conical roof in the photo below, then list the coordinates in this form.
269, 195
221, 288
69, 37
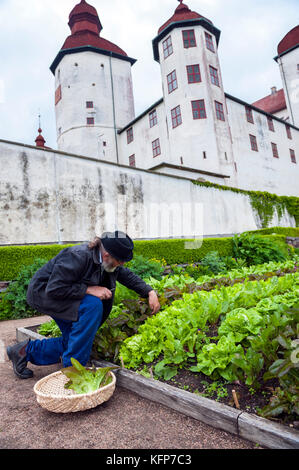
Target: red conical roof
290, 40
84, 17
40, 141
182, 13
85, 26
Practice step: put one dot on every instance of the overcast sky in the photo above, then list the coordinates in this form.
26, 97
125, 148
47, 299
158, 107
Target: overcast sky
33, 31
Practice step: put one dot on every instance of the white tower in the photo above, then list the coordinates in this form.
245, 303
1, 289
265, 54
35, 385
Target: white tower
195, 103
93, 88
288, 61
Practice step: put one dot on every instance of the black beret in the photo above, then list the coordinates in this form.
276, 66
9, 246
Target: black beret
118, 244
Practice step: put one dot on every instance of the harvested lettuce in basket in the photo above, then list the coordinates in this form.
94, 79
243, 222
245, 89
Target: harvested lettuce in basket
83, 380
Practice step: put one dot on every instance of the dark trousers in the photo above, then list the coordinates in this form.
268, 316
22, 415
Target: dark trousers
76, 340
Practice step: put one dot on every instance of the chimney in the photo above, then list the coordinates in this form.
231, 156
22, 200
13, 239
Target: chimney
273, 90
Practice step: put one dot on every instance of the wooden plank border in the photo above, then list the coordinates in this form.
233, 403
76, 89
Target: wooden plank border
247, 426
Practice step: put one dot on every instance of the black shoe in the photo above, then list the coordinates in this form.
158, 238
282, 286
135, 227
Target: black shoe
17, 354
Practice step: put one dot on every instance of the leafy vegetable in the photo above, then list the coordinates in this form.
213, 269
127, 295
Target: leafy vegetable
83, 380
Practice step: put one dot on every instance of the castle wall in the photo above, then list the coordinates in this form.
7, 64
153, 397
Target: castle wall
50, 197
260, 170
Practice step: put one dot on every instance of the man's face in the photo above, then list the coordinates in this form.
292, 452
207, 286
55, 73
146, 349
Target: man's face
109, 263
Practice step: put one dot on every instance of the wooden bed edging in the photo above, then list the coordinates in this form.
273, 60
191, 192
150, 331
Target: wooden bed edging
245, 425
251, 427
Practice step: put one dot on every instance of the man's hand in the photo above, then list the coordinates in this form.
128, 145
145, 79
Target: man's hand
98, 291
153, 302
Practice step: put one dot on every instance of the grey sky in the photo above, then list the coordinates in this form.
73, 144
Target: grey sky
33, 31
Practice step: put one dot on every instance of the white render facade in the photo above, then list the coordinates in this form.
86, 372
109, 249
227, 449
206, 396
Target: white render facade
195, 130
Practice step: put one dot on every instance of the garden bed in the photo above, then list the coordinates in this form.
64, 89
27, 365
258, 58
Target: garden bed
220, 413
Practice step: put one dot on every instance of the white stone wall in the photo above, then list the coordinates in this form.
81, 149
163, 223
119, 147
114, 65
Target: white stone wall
288, 66
49, 197
260, 170
105, 80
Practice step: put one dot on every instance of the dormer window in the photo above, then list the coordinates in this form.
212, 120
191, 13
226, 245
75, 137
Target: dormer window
189, 38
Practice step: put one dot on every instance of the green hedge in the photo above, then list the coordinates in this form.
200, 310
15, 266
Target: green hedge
287, 231
173, 251
12, 258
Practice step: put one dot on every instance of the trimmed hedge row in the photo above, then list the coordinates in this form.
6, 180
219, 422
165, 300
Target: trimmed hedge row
173, 251
13, 258
287, 231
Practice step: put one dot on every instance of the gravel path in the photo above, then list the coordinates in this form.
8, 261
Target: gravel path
126, 421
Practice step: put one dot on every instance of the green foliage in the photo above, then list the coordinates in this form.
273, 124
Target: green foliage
181, 251
123, 322
49, 329
262, 202
14, 258
173, 251
146, 268
287, 231
214, 388
257, 249
83, 380
286, 369
14, 304
213, 262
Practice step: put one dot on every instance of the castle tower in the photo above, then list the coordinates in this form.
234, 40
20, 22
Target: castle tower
93, 88
288, 61
195, 103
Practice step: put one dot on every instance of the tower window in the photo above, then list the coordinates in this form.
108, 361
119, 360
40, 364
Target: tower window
132, 161
288, 129
167, 47
193, 73
198, 109
156, 147
130, 136
214, 75
172, 82
253, 142
89, 104
270, 124
249, 114
274, 150
176, 116
209, 42
189, 38
90, 121
293, 157
153, 120
219, 111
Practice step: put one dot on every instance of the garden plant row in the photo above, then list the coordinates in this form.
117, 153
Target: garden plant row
233, 326
255, 329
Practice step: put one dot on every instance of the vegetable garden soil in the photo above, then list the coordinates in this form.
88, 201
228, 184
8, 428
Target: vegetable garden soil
250, 400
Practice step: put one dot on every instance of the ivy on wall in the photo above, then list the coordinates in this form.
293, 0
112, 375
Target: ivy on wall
264, 203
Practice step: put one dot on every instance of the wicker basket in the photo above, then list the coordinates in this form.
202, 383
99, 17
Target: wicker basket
51, 394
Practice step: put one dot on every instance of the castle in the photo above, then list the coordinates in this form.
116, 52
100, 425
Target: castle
114, 170
195, 130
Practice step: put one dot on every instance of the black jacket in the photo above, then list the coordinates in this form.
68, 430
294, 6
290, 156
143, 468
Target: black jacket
59, 286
